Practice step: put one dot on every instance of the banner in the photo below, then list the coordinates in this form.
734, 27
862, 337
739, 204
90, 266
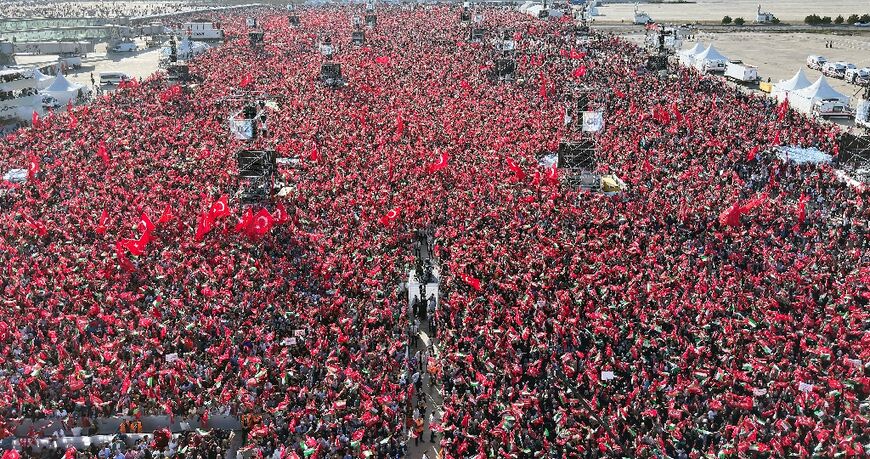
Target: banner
593, 121
242, 129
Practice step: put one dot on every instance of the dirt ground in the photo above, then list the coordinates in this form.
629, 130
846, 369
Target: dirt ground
714, 10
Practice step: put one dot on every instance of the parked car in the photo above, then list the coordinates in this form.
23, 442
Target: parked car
125, 47
816, 62
834, 69
858, 76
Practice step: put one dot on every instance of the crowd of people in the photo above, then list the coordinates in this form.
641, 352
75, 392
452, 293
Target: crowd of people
717, 307
25, 9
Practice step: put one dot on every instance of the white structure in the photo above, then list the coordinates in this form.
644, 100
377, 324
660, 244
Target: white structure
42, 81
19, 96
804, 99
65, 91
640, 17
762, 17
687, 57
710, 60
782, 89
202, 31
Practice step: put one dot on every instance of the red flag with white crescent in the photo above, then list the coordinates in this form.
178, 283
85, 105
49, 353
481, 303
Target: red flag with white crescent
390, 216
219, 208
438, 165
262, 223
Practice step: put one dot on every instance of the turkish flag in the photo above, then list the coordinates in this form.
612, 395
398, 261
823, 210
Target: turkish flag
471, 281
245, 221
262, 223
219, 208
383, 60
281, 216
579, 72
517, 170
314, 155
101, 226
34, 119
390, 216
137, 246
203, 226
32, 168
145, 224
552, 176
166, 215
438, 165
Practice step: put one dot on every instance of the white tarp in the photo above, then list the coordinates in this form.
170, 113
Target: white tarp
708, 55
242, 129
802, 155
784, 87
803, 99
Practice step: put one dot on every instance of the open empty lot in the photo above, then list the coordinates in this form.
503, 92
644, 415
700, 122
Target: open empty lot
714, 10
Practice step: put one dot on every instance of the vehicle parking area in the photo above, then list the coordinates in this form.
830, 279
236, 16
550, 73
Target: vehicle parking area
779, 56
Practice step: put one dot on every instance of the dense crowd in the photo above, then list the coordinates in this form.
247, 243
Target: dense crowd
718, 306
87, 9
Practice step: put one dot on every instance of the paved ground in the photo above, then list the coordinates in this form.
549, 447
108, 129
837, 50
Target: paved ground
714, 10
138, 65
434, 400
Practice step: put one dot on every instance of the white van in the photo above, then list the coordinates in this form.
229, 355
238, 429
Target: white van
835, 69
113, 78
740, 72
816, 62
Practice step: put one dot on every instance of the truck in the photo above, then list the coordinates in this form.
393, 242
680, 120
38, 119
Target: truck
832, 108
740, 72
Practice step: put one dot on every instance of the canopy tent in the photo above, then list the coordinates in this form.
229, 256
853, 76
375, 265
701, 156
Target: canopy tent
687, 56
803, 99
42, 80
784, 87
708, 55
63, 90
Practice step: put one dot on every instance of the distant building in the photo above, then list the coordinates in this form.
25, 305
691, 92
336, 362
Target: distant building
763, 18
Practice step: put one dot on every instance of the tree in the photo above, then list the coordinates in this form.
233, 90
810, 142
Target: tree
813, 19
726, 20
839, 20
853, 19
865, 18
827, 20
739, 21
775, 20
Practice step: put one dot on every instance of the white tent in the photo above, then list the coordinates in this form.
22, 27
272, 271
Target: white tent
687, 56
63, 90
42, 80
708, 55
784, 87
803, 99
